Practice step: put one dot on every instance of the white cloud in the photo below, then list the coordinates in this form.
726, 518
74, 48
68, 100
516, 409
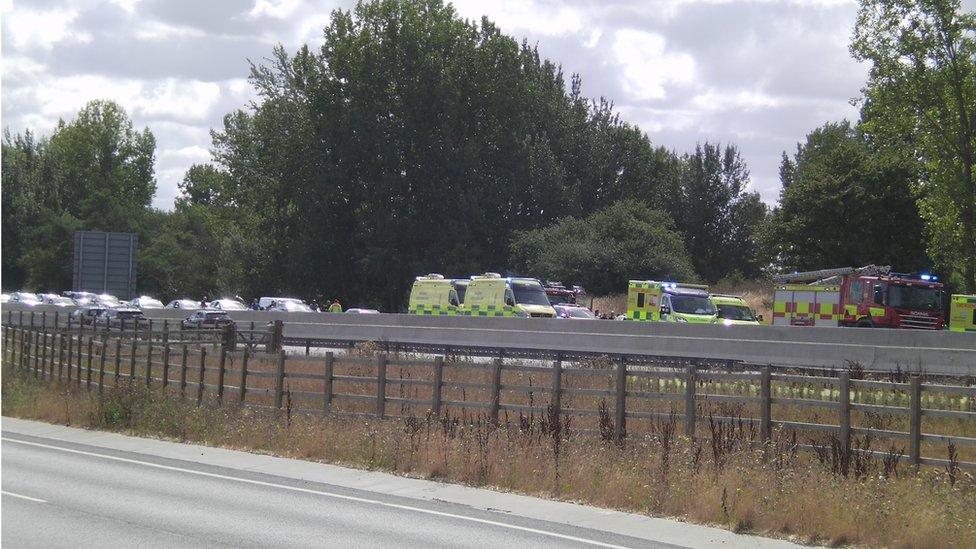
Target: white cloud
40, 29
646, 65
544, 18
743, 100
279, 9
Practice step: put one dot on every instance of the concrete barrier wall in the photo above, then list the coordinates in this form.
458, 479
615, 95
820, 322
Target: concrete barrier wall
942, 353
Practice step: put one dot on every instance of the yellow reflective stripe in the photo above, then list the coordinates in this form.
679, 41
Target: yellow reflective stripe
876, 311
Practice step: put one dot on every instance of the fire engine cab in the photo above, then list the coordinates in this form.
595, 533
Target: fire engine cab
866, 297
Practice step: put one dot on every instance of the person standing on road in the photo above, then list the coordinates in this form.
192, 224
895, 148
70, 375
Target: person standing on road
254, 305
336, 307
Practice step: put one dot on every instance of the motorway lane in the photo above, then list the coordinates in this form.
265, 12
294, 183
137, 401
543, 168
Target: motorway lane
85, 496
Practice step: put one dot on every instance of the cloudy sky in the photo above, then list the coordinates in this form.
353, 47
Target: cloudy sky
760, 73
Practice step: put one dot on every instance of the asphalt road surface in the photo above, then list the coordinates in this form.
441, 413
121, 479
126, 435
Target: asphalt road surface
64, 494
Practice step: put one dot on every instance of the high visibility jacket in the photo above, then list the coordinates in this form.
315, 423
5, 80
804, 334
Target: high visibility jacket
335, 307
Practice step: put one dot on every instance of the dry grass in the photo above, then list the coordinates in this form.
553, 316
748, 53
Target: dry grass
775, 491
757, 293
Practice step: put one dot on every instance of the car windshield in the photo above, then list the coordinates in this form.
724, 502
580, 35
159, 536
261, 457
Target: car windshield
578, 312
556, 299
692, 305
529, 293
735, 312
231, 305
108, 300
150, 303
296, 307
911, 297
27, 296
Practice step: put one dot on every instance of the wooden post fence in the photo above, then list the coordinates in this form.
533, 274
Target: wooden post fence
381, 386
620, 403
496, 384
327, 389
915, 421
203, 369
435, 399
690, 401
279, 379
243, 392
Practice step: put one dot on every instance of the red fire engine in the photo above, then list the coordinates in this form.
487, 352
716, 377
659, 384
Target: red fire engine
863, 297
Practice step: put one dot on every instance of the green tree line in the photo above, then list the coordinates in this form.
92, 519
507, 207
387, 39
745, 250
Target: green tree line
414, 141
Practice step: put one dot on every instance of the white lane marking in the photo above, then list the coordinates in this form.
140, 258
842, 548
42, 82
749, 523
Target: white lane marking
322, 493
21, 496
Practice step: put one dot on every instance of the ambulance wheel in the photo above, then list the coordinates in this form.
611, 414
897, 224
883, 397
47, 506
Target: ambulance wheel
865, 324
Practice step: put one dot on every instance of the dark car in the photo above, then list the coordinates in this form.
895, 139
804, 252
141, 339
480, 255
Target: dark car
88, 315
207, 319
573, 311
117, 318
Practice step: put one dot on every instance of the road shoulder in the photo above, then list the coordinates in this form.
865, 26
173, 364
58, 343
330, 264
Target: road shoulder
628, 524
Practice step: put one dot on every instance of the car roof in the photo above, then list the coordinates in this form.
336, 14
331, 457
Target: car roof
728, 300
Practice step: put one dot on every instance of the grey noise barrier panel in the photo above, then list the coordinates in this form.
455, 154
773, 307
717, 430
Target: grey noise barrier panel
932, 352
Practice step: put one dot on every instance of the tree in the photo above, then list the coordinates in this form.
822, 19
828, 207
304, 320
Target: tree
413, 141
626, 240
843, 203
920, 100
94, 172
718, 217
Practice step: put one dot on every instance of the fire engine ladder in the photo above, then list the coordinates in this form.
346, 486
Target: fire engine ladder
821, 276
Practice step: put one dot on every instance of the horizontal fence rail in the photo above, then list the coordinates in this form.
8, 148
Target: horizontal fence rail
920, 423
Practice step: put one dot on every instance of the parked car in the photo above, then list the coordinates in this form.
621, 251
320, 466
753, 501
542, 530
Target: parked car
107, 301
4, 298
363, 311
207, 318
291, 306
145, 302
82, 299
227, 304
279, 303
574, 312
122, 317
88, 315
185, 304
59, 301
25, 298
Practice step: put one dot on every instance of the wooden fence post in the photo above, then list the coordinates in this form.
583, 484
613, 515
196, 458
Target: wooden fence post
44, 338
690, 401
496, 385
165, 354
556, 399
381, 386
844, 386
620, 403
101, 366
279, 379
132, 358
766, 404
327, 390
32, 320
183, 368
149, 354
203, 369
435, 399
308, 345
220, 375
88, 362
118, 359
61, 354
243, 392
915, 421
165, 361
71, 347
37, 350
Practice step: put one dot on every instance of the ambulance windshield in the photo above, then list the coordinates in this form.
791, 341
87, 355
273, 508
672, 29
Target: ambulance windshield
530, 293
692, 305
912, 297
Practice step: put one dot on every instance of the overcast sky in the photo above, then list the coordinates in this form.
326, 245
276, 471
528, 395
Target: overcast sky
760, 73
